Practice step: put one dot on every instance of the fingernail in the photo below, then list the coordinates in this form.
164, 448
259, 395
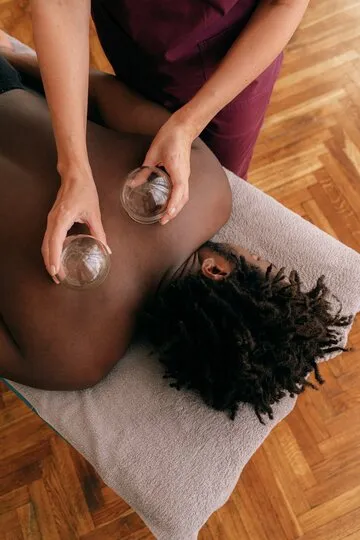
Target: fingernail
52, 271
165, 221
172, 211
55, 280
109, 250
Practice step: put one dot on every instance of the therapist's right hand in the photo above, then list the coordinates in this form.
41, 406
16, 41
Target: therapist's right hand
77, 201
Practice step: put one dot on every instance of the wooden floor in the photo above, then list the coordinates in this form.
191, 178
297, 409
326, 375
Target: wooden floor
304, 482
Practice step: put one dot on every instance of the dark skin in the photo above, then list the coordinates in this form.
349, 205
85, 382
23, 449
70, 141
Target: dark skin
55, 338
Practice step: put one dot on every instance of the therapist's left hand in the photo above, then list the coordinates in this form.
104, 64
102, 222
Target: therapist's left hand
171, 149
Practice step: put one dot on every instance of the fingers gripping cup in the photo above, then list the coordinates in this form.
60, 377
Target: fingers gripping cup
146, 194
85, 262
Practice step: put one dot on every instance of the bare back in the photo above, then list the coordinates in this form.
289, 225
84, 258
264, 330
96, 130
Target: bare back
49, 321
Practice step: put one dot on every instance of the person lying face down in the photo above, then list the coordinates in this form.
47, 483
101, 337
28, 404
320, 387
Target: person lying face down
225, 324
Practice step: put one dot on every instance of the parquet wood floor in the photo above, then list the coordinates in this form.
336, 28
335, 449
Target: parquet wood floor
304, 482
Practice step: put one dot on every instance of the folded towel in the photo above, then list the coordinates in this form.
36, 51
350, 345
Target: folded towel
170, 457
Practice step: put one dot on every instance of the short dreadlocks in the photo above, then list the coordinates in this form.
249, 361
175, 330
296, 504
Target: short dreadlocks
250, 338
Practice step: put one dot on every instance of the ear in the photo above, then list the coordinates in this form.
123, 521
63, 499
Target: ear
216, 269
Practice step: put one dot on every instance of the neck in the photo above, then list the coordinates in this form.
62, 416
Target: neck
190, 266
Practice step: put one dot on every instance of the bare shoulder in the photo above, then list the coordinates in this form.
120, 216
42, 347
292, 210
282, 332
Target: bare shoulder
210, 200
208, 175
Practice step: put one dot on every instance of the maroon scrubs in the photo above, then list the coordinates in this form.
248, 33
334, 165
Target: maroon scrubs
167, 49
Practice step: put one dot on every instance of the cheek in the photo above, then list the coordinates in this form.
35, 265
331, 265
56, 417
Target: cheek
252, 258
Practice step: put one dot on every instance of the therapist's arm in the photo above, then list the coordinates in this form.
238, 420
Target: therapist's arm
262, 40
266, 35
61, 33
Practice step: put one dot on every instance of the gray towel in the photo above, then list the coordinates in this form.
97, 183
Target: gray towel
170, 457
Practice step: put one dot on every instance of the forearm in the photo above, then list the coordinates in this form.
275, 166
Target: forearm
266, 35
61, 33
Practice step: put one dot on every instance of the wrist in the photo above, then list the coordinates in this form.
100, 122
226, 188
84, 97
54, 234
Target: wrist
75, 171
72, 156
71, 147
188, 121
194, 116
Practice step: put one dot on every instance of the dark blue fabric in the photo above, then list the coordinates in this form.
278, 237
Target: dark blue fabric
9, 77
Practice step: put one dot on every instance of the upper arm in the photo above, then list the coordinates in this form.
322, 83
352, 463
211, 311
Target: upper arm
12, 364
122, 109
66, 362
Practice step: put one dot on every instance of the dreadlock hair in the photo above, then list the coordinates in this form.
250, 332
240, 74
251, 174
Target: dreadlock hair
249, 338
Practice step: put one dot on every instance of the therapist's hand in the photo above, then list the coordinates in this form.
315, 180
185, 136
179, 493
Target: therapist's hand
77, 201
171, 149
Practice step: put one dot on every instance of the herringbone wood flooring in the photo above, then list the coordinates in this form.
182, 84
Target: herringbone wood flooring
304, 482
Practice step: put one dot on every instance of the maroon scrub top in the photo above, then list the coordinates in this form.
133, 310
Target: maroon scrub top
167, 49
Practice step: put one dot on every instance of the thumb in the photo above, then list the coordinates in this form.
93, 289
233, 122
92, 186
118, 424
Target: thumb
97, 231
